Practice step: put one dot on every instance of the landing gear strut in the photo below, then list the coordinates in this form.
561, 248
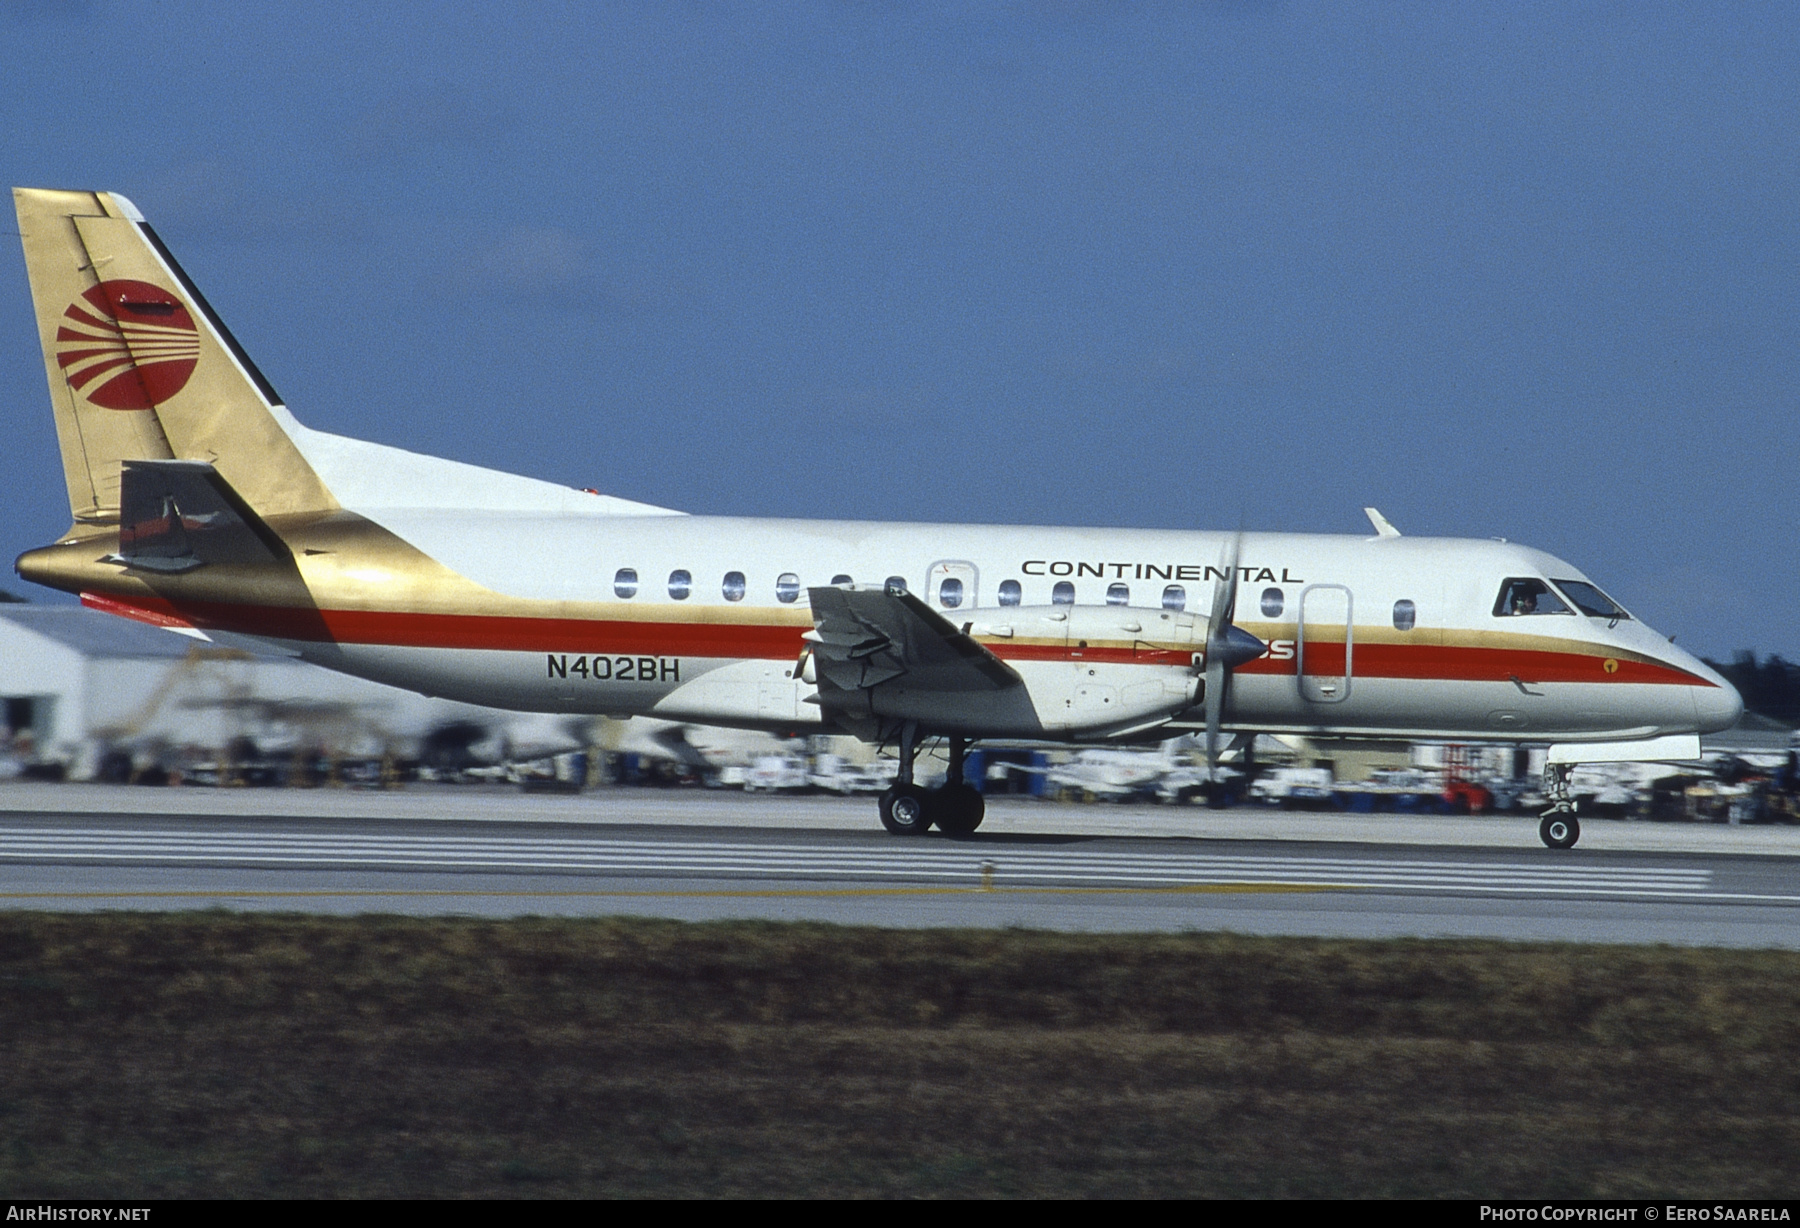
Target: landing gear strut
908, 809
1559, 829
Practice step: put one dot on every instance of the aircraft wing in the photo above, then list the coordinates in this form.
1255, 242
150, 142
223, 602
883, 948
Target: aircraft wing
884, 655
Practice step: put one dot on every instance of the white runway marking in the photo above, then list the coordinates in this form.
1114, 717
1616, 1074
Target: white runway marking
1009, 865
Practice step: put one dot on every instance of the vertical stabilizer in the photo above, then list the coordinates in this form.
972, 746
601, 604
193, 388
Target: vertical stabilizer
139, 368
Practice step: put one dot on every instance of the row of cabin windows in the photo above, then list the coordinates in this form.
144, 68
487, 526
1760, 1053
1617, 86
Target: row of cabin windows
733, 587
950, 593
1174, 597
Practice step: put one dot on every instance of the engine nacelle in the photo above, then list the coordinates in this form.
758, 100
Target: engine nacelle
1103, 669
1100, 628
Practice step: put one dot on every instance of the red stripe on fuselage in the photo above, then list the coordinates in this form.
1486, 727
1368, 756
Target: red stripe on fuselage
1470, 663
489, 632
508, 633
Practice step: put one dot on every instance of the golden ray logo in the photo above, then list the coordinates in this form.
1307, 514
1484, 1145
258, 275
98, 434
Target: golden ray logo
127, 345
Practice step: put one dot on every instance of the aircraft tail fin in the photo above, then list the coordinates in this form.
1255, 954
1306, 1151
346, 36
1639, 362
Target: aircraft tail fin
139, 367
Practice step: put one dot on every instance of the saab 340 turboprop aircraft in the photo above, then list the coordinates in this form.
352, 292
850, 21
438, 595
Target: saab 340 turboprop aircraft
200, 504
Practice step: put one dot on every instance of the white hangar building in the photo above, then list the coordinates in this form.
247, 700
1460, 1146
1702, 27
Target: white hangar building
73, 681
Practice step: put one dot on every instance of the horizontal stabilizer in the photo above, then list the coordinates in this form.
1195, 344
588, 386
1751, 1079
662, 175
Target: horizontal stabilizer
175, 516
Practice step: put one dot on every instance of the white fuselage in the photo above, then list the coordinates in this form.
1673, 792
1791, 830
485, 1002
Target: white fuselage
708, 650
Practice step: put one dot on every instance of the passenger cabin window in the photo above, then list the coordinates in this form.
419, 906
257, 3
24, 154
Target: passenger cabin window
1118, 594
1406, 614
842, 579
1010, 592
1273, 603
787, 588
894, 586
1590, 600
950, 593
681, 583
733, 587
1527, 596
1175, 598
1063, 593
625, 583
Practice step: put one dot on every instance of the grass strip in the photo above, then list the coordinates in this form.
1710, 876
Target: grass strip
223, 1054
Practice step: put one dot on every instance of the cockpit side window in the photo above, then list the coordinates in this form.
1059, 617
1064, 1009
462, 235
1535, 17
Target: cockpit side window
1525, 595
1590, 600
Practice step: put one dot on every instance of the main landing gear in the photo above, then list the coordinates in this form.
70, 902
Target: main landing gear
1560, 829
908, 809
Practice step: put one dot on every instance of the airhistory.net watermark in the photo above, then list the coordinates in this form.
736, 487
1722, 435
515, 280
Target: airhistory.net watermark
50, 1213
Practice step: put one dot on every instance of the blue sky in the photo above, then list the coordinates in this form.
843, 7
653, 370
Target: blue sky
1501, 270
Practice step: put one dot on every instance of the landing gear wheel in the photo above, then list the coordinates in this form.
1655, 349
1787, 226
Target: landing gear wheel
1560, 831
906, 810
958, 809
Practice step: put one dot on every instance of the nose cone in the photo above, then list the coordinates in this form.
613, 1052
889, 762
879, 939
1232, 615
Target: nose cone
1239, 647
1717, 707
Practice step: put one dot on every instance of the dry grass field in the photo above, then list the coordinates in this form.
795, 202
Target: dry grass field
233, 1055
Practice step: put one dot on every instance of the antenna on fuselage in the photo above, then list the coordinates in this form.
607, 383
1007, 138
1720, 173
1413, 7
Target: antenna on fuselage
1382, 527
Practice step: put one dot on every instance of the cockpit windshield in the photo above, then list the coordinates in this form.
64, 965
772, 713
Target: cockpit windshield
1590, 600
1524, 595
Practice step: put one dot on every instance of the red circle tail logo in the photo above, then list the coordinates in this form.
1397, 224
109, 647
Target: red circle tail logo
127, 345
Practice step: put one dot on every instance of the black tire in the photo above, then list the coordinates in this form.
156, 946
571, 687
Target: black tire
958, 809
906, 810
1560, 831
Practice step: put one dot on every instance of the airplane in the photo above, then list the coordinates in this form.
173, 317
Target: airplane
201, 504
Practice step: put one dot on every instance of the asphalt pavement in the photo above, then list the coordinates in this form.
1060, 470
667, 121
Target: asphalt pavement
695, 855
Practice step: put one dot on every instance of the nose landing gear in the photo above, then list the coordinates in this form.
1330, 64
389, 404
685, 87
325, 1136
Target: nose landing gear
1559, 829
909, 809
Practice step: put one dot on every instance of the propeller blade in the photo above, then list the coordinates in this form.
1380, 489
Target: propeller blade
1227, 647
1224, 605
1215, 710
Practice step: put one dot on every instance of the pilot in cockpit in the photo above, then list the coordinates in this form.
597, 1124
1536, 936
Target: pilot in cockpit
1523, 595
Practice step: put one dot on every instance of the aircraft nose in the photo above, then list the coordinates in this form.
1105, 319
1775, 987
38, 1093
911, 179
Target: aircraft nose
1717, 707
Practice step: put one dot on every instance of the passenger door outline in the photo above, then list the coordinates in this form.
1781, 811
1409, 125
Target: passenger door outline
1324, 676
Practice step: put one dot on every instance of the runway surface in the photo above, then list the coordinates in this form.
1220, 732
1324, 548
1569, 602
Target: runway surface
87, 858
